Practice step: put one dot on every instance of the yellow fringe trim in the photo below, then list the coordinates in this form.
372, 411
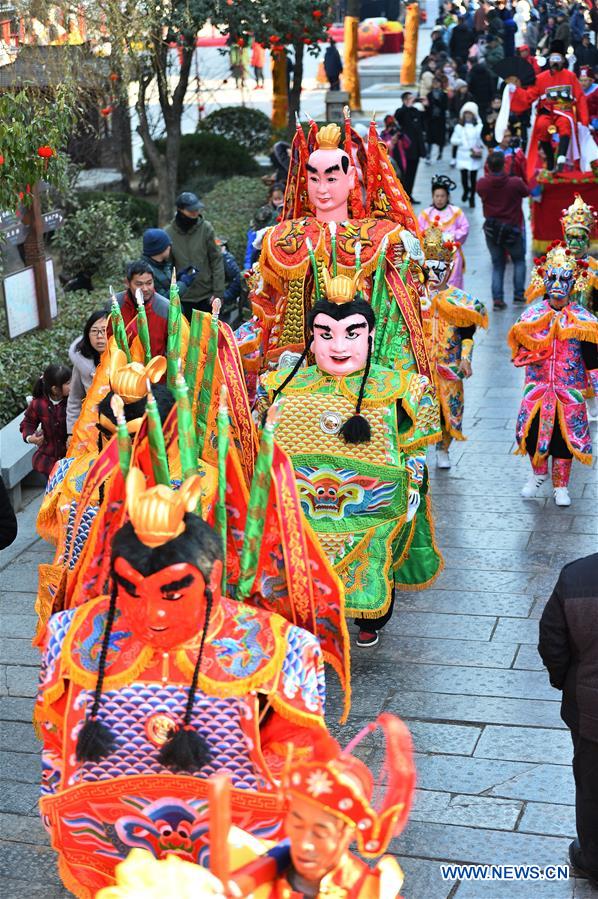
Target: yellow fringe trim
415, 588
360, 549
70, 881
460, 316
295, 716
521, 334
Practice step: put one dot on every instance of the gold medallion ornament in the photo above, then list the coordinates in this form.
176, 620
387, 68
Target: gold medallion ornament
158, 728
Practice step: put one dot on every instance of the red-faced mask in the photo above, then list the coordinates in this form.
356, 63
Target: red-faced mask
165, 609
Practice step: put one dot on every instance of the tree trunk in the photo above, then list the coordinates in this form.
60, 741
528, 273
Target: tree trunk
165, 166
295, 92
35, 255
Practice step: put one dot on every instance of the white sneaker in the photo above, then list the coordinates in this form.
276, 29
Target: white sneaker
453, 163
442, 459
428, 161
561, 496
532, 485
592, 407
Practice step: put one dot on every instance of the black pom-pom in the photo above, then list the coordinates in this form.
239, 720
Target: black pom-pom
95, 741
185, 750
356, 430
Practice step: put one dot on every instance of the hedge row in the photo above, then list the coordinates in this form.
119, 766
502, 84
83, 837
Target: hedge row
229, 207
23, 359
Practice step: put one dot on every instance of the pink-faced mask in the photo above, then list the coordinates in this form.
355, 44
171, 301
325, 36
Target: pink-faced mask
340, 347
329, 185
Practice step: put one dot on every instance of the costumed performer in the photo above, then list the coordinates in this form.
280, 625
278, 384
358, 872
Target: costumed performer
450, 219
146, 692
556, 340
578, 223
450, 318
326, 224
562, 110
78, 483
329, 805
355, 432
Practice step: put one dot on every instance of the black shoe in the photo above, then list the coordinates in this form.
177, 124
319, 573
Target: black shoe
499, 304
414, 202
472, 202
577, 868
519, 299
465, 196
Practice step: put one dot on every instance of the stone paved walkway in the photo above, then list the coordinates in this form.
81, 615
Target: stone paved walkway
458, 661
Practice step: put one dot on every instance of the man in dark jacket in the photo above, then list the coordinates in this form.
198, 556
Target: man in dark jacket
462, 38
502, 196
157, 253
586, 54
411, 123
569, 649
8, 519
333, 65
482, 84
193, 244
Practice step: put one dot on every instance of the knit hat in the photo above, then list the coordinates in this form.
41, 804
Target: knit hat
155, 241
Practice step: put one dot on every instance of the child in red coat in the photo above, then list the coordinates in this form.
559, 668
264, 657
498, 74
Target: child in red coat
44, 424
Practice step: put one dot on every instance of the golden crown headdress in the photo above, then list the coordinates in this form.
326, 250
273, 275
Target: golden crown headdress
560, 257
578, 215
129, 379
436, 246
341, 289
157, 513
329, 137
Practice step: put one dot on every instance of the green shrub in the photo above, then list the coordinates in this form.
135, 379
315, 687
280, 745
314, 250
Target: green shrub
230, 206
137, 212
248, 127
22, 360
206, 156
96, 239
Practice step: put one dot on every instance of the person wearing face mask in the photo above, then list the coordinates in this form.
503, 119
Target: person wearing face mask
562, 105
194, 246
556, 340
151, 688
157, 252
450, 219
355, 432
450, 317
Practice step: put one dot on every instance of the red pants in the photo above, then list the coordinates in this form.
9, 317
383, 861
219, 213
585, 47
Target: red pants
547, 120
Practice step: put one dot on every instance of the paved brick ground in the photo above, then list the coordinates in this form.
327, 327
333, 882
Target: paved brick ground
458, 662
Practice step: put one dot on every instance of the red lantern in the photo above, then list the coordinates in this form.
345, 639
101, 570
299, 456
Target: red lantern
317, 13
45, 152
106, 111
113, 76
1, 159
273, 38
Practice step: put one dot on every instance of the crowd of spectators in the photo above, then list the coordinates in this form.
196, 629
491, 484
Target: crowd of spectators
457, 98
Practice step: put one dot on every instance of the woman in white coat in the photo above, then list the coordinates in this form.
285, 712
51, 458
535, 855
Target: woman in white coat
467, 138
85, 353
